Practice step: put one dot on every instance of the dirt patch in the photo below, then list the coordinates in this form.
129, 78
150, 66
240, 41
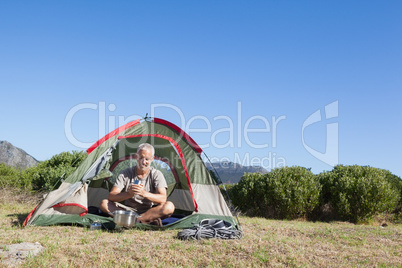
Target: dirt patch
15, 254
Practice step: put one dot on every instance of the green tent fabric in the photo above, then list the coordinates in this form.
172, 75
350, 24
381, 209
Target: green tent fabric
191, 188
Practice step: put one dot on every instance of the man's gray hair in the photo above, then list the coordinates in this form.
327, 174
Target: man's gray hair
146, 146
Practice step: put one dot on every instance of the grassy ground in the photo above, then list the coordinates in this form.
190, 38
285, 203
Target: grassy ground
265, 243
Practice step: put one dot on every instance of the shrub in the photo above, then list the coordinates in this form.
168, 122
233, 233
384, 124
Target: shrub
14, 177
8, 176
396, 182
293, 192
243, 194
357, 193
47, 174
284, 193
226, 189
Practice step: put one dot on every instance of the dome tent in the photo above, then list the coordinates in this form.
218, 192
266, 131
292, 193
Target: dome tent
193, 191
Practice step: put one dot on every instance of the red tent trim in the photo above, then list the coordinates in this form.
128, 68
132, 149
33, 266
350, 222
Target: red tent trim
135, 122
176, 145
30, 215
72, 204
182, 133
111, 134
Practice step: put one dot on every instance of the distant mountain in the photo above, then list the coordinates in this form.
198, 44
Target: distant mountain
230, 172
15, 157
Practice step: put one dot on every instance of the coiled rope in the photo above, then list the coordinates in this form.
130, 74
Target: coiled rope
210, 228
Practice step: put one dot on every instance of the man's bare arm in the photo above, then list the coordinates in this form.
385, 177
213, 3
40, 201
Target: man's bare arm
158, 197
116, 195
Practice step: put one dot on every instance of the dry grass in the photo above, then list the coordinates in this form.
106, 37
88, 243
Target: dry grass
265, 243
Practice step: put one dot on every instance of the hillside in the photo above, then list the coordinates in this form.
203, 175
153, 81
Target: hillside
230, 172
15, 157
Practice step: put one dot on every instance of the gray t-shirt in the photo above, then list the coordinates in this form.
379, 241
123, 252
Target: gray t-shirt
152, 181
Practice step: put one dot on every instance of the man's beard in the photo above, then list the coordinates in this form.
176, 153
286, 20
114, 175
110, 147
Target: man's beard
142, 167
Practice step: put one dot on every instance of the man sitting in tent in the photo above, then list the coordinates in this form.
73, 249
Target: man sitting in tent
147, 198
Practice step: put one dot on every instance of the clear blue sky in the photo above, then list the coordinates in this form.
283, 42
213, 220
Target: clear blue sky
247, 79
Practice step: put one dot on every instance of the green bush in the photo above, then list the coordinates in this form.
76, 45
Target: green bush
15, 177
356, 193
396, 182
47, 174
9, 176
226, 189
285, 193
243, 194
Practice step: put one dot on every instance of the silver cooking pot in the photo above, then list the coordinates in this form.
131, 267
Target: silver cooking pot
125, 218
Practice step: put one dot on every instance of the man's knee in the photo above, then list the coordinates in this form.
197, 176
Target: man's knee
168, 208
104, 203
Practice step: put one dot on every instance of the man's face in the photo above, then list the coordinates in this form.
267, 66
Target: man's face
144, 159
